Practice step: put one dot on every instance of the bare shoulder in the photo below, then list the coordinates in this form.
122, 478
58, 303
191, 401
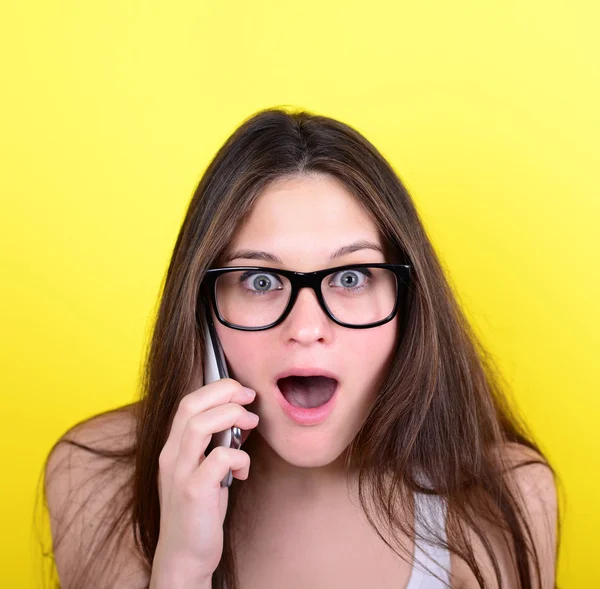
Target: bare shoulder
89, 447
532, 481
87, 486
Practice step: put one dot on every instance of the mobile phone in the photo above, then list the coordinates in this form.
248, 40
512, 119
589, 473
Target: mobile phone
214, 368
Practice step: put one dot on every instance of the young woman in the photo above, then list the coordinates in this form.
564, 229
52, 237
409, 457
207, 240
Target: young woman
384, 454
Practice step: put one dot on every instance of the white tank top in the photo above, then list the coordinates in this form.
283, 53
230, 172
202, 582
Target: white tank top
430, 514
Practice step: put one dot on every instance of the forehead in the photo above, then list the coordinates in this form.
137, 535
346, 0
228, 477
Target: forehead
305, 216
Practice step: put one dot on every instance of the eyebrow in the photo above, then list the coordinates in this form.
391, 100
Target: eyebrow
249, 254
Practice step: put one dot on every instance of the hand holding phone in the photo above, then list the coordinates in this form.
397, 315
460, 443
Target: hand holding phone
192, 482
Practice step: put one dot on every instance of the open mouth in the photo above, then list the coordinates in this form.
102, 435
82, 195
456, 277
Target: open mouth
307, 391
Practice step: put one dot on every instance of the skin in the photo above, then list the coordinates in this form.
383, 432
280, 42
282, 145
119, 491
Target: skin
303, 220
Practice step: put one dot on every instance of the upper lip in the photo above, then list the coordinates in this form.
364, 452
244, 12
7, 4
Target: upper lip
307, 371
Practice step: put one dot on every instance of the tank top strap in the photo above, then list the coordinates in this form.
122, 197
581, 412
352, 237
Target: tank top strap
430, 521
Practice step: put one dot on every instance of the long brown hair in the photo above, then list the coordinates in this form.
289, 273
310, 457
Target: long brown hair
442, 410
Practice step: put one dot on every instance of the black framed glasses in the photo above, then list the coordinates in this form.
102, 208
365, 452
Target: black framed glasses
254, 298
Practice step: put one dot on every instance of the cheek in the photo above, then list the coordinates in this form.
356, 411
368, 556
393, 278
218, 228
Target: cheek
245, 352
373, 347
367, 357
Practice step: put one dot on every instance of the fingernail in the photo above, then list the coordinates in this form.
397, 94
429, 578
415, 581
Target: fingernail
253, 415
249, 392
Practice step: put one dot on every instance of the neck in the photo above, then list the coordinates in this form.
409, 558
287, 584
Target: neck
270, 474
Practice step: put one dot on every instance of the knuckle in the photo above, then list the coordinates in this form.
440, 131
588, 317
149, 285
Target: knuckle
236, 412
191, 492
221, 455
164, 459
230, 410
195, 426
186, 405
232, 385
245, 458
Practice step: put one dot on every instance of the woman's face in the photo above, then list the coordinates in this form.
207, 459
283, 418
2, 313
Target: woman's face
303, 220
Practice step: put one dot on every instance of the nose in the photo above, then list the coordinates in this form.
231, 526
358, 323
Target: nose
307, 322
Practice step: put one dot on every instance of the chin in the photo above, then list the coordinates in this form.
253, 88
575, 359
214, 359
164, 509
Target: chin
306, 449
308, 461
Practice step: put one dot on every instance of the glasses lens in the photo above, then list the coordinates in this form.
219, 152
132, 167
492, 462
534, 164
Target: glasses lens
252, 298
359, 296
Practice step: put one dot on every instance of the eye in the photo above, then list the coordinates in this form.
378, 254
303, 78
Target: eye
261, 281
351, 278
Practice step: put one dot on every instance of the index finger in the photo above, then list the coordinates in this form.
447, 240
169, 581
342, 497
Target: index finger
220, 392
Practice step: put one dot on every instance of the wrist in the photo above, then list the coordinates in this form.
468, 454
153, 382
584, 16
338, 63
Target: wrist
179, 577
166, 582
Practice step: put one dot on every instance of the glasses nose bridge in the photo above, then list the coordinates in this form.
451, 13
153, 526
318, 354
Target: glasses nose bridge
310, 280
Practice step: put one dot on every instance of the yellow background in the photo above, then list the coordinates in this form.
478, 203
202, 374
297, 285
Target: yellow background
111, 110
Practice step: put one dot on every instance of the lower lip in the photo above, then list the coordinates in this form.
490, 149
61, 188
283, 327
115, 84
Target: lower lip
307, 415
